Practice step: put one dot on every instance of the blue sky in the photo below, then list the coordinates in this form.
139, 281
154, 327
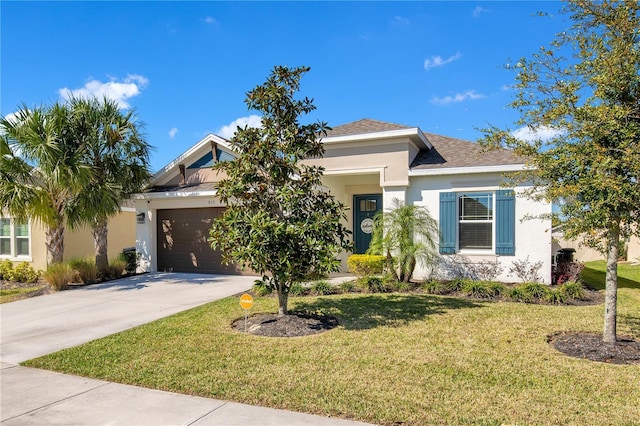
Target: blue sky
186, 66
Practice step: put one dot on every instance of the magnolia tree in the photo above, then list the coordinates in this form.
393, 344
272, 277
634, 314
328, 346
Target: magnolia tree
585, 89
280, 222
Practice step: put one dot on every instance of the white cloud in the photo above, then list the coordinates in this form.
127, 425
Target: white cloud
543, 133
478, 11
119, 91
458, 97
210, 20
228, 130
437, 61
173, 132
400, 20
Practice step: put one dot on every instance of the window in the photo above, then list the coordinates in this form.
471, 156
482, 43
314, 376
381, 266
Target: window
477, 221
15, 240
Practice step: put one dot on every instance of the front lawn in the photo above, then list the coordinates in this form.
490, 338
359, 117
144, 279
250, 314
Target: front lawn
594, 274
394, 358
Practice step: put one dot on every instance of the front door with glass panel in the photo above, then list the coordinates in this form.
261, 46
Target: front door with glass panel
365, 208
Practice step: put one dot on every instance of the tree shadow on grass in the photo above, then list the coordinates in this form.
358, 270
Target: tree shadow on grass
383, 310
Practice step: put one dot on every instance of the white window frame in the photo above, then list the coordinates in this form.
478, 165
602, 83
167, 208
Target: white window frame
13, 238
460, 221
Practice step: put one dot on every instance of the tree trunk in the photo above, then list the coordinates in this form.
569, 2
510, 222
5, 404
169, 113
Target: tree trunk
611, 292
390, 266
283, 299
410, 269
54, 241
100, 243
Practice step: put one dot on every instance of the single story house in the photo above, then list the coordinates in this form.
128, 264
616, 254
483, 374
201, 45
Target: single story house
25, 241
368, 164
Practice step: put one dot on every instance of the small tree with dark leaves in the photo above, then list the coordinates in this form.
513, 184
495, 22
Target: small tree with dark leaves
280, 222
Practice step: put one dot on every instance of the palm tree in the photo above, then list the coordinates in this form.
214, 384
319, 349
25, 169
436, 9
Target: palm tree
406, 235
118, 157
41, 170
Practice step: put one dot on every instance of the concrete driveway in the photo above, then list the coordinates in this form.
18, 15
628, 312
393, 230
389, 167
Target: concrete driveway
45, 324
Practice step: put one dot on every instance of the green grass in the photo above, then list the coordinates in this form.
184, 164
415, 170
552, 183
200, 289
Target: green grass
594, 275
395, 358
13, 294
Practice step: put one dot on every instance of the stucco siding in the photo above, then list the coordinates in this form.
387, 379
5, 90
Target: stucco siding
532, 236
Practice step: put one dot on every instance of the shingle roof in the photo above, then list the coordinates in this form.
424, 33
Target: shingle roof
366, 125
449, 152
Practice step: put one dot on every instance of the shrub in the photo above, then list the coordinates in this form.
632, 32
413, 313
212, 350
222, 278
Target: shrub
400, 286
297, 289
456, 284
556, 297
6, 266
573, 290
59, 275
322, 288
347, 287
435, 287
260, 288
567, 271
131, 258
365, 265
527, 272
86, 271
373, 285
115, 269
482, 289
528, 293
23, 273
487, 270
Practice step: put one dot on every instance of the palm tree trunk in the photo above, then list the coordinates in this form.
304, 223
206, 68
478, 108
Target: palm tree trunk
54, 241
611, 292
99, 231
411, 267
390, 267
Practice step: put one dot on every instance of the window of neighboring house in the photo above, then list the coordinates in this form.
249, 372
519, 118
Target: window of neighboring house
15, 240
477, 221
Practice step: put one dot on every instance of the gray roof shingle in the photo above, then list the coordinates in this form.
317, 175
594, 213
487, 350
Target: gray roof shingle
364, 126
449, 152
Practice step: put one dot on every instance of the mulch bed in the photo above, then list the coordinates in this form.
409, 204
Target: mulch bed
590, 346
292, 325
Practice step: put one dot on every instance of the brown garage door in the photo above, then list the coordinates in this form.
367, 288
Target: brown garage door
182, 241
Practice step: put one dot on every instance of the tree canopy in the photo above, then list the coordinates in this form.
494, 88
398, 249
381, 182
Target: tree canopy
585, 89
280, 221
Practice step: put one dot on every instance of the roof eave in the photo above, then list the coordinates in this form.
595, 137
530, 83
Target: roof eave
414, 133
498, 168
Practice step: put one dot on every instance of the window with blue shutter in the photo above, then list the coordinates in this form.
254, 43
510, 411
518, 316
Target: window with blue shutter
468, 221
448, 222
505, 222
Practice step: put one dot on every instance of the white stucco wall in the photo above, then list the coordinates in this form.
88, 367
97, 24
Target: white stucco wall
533, 236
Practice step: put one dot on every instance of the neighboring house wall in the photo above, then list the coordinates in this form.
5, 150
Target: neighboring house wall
587, 254
78, 243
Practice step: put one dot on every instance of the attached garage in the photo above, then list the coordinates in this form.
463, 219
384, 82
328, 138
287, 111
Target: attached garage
182, 241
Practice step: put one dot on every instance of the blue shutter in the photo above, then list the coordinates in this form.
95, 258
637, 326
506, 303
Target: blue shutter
448, 222
505, 222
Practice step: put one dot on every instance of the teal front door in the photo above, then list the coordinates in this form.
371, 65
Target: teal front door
365, 208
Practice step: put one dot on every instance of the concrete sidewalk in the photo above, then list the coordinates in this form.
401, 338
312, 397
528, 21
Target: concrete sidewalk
45, 324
